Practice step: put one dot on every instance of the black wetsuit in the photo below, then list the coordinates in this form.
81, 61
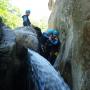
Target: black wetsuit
26, 21
51, 47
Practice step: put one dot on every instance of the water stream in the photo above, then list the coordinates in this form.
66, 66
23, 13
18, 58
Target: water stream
46, 77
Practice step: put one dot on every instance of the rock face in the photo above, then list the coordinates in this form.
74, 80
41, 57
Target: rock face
27, 37
51, 4
13, 58
72, 19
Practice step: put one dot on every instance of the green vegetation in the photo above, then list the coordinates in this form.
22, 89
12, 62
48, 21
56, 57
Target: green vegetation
11, 15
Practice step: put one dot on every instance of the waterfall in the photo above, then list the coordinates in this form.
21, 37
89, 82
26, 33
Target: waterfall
47, 78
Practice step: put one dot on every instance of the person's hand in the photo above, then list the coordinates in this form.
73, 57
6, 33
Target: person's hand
50, 38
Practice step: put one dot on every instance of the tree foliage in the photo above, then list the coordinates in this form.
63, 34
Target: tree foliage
10, 14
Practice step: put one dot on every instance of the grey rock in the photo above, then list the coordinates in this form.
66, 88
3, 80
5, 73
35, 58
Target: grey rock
75, 39
27, 37
12, 64
51, 4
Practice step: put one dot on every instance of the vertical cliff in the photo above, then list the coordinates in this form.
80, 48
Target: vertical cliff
72, 19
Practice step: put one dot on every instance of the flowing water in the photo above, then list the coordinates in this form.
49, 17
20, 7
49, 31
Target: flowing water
46, 77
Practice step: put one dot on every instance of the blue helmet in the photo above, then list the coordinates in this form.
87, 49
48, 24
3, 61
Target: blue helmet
50, 31
28, 11
55, 32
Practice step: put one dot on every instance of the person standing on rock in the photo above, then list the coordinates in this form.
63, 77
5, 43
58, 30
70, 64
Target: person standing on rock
26, 21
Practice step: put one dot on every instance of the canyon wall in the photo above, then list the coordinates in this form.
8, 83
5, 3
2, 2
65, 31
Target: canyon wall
72, 19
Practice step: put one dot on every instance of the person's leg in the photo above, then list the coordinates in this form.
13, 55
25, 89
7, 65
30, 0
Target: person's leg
25, 24
52, 58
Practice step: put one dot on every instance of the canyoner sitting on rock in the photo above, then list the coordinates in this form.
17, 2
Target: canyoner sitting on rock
26, 21
51, 45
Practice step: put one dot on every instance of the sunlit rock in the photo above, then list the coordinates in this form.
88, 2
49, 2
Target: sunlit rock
75, 39
51, 4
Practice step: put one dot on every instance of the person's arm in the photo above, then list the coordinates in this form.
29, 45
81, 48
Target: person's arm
54, 42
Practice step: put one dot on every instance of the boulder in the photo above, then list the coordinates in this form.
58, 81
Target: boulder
13, 68
27, 37
72, 19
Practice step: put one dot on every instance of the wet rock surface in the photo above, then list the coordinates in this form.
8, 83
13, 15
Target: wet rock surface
12, 64
27, 37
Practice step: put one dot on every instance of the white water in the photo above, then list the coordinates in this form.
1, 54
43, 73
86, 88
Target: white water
47, 76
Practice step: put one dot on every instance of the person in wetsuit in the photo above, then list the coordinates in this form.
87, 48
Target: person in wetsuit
51, 45
26, 21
